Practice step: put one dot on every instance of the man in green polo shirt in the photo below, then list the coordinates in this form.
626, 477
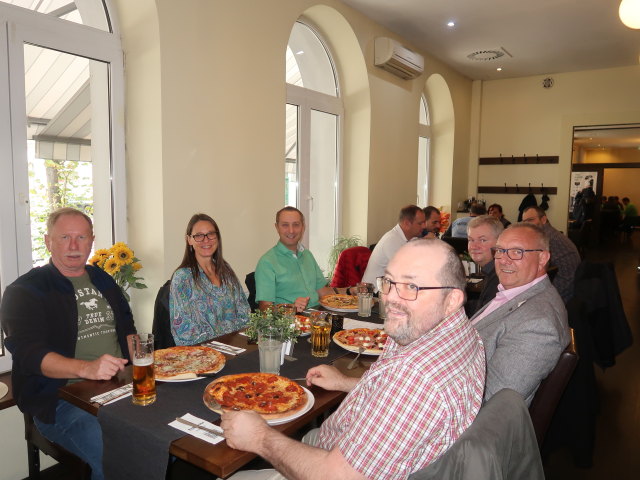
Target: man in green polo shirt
288, 273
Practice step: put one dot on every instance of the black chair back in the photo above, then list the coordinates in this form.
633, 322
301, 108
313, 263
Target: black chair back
459, 244
250, 282
161, 329
546, 399
500, 444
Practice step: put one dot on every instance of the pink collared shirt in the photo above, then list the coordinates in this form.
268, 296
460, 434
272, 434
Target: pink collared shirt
503, 296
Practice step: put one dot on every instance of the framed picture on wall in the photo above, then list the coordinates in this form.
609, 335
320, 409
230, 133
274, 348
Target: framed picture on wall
580, 180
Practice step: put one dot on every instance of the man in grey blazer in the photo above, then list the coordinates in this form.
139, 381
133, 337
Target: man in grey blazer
524, 328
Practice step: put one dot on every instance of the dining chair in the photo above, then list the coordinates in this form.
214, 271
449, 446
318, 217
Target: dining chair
36, 443
546, 398
350, 267
250, 282
161, 328
500, 444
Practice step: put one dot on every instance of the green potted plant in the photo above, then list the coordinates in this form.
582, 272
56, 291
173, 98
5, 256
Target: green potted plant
271, 323
272, 328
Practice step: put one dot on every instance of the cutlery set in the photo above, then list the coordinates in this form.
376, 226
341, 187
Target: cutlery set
224, 348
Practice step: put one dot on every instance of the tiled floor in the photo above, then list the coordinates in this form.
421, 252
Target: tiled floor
617, 448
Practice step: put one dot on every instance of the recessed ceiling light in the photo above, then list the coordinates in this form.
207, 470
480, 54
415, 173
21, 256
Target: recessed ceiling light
499, 69
451, 24
299, 52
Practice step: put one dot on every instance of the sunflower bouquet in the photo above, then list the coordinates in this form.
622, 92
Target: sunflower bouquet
120, 262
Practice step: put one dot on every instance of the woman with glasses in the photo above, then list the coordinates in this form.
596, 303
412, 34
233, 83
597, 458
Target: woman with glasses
206, 297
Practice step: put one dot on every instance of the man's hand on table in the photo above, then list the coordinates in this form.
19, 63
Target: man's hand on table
244, 430
102, 368
301, 303
330, 378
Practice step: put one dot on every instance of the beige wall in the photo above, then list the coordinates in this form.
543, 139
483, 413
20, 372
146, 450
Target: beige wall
610, 155
623, 182
205, 126
519, 116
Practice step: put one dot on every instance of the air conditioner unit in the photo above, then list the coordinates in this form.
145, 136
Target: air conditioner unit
397, 59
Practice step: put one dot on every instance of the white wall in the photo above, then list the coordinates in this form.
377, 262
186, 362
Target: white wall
205, 126
518, 116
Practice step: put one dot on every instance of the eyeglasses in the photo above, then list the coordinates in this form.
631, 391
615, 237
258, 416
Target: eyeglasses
199, 237
513, 253
406, 291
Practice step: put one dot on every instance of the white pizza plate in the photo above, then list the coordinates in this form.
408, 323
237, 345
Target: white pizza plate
310, 401
353, 348
191, 379
179, 380
278, 421
353, 309
340, 310
3, 389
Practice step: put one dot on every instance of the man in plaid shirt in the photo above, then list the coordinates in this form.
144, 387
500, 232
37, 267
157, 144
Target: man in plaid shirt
411, 405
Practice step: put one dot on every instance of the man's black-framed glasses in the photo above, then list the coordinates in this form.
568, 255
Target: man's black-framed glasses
199, 237
513, 253
406, 291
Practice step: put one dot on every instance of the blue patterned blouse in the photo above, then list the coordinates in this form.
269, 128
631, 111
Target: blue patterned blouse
201, 312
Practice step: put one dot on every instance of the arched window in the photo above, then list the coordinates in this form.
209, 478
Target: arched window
61, 79
424, 140
312, 143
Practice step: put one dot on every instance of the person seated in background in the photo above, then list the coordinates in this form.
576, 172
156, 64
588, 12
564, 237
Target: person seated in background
206, 299
495, 210
411, 405
288, 272
458, 228
564, 253
524, 328
432, 222
483, 233
64, 321
411, 223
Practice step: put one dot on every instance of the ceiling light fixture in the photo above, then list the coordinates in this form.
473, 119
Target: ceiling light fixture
451, 24
499, 69
629, 12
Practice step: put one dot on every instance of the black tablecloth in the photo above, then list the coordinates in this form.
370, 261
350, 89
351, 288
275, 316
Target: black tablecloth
137, 439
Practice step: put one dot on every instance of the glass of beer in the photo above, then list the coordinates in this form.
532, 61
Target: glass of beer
144, 381
320, 334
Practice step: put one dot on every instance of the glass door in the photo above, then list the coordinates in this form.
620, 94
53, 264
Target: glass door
59, 145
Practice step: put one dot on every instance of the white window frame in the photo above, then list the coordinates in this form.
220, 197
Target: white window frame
424, 164
307, 100
17, 27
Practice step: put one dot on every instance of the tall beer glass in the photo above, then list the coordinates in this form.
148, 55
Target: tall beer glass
320, 330
144, 383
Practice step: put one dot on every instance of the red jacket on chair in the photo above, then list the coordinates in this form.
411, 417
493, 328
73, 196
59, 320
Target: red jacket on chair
351, 265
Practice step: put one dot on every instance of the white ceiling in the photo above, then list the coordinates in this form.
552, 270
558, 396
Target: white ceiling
540, 36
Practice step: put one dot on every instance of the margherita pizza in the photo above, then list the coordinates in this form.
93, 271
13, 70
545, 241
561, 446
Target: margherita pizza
270, 395
340, 301
183, 362
372, 339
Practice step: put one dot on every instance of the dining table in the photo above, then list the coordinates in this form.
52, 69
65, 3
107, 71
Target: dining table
140, 443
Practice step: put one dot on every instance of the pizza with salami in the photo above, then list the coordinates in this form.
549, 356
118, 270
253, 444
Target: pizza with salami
270, 395
372, 339
185, 362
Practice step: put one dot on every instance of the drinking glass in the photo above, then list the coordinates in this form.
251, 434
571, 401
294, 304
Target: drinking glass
320, 334
270, 351
365, 301
144, 381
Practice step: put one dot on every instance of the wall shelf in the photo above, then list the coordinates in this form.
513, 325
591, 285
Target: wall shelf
523, 160
519, 190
